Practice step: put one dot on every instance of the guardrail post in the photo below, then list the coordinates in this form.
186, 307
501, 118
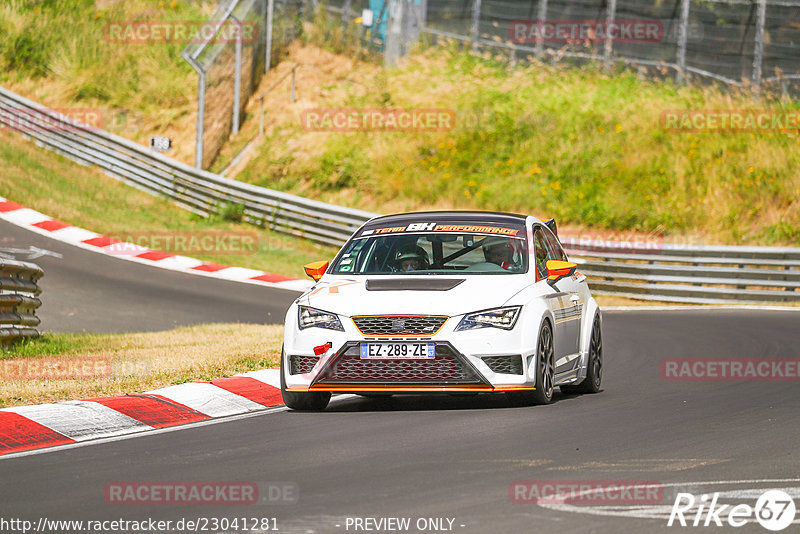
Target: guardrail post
19, 300
611, 15
758, 53
475, 24
683, 34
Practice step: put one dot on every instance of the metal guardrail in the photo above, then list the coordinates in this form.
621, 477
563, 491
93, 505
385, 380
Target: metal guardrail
19, 300
666, 272
693, 274
200, 191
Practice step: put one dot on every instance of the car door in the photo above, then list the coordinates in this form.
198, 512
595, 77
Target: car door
565, 300
574, 300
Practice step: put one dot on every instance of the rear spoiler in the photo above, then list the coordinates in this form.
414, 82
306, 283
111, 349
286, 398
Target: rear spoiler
552, 225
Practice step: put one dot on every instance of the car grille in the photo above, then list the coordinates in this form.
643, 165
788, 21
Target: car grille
399, 325
301, 364
446, 367
510, 365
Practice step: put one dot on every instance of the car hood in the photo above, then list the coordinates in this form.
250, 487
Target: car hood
439, 295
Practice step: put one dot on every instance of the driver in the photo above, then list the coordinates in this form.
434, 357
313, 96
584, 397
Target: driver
500, 253
411, 258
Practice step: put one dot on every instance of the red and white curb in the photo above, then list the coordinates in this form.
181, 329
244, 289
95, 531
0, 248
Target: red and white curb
24, 428
61, 231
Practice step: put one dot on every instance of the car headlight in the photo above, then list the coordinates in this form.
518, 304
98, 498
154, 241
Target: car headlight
311, 317
504, 318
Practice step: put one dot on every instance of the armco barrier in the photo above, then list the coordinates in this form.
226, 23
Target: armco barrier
199, 191
695, 274
19, 300
669, 273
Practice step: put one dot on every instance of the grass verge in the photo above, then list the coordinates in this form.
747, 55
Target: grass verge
61, 53
58, 367
583, 146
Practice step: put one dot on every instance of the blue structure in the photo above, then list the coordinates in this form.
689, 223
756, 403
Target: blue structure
378, 6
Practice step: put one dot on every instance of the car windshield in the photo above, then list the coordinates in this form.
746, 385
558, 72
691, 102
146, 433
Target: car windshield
433, 253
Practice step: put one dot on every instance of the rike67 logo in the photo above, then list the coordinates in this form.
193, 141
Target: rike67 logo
774, 510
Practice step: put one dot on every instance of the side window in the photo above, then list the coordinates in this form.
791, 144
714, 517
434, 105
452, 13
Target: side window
540, 251
555, 247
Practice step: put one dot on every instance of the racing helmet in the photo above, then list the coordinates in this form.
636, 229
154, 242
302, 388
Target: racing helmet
499, 251
411, 252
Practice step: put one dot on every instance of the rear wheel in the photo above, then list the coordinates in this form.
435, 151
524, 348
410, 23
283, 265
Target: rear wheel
594, 365
545, 370
302, 401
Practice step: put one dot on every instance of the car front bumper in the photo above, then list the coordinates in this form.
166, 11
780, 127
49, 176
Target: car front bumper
480, 360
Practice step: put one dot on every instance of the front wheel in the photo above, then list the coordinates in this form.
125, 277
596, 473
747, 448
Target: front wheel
594, 364
302, 401
545, 371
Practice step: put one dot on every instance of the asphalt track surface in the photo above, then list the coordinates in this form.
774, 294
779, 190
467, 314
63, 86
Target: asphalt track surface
450, 457
418, 456
84, 291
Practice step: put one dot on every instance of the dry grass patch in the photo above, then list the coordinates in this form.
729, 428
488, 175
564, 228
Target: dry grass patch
61, 367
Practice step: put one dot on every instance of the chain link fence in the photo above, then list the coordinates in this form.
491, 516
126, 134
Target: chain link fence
237, 45
742, 43
738, 42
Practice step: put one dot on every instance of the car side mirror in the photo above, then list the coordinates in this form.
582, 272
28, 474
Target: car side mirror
316, 269
557, 269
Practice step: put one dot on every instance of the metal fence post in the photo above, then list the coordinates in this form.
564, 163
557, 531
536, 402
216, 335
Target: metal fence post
474, 26
610, 17
758, 53
294, 69
683, 34
542, 17
201, 116
268, 48
261, 120
237, 73
346, 15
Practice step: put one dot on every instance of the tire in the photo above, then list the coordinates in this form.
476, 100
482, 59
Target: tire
594, 365
545, 371
304, 402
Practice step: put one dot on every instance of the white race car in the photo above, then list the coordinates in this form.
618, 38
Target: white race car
444, 302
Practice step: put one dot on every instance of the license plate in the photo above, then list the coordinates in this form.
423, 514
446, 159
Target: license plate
398, 351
